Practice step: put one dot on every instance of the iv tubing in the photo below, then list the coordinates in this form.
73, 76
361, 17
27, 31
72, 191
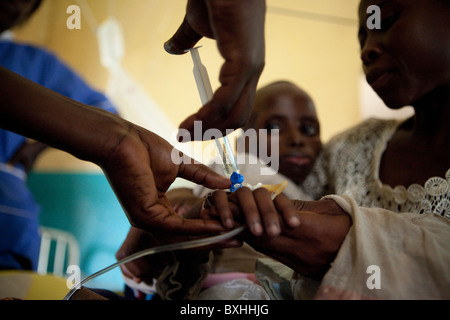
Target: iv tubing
168, 247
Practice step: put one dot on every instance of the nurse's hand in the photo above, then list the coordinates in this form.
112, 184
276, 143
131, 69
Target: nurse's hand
238, 28
140, 167
139, 164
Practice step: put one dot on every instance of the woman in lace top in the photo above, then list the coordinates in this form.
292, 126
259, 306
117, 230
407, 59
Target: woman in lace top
381, 226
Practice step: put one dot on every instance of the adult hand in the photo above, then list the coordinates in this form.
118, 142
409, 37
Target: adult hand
310, 247
238, 28
137, 162
141, 167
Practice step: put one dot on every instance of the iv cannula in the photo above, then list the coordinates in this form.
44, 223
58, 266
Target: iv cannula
206, 93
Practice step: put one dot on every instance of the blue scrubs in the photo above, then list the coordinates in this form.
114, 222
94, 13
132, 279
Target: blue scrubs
19, 223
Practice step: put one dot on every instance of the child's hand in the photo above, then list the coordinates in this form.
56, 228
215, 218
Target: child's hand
184, 202
255, 208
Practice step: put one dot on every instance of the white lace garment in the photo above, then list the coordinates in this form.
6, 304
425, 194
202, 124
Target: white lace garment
350, 163
403, 230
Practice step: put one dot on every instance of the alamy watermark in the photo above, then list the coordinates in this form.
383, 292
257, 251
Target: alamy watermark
263, 144
74, 20
374, 20
374, 280
73, 276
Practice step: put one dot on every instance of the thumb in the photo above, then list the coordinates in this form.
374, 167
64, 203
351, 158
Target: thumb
184, 38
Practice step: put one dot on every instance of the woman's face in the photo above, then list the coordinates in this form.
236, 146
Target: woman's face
410, 55
293, 114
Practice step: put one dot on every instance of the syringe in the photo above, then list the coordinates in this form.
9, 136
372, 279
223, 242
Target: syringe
223, 145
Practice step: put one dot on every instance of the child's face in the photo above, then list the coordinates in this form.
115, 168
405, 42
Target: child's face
410, 55
293, 114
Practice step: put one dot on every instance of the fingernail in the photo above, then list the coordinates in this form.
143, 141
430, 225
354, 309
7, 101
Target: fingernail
273, 230
170, 48
229, 223
234, 243
167, 46
294, 221
257, 229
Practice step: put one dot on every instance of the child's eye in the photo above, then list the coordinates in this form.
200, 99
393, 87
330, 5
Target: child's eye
273, 126
386, 23
310, 129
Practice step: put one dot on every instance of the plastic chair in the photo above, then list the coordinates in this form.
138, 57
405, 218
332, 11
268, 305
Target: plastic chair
59, 245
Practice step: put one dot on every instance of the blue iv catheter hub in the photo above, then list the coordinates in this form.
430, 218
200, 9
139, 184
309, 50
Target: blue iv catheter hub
236, 181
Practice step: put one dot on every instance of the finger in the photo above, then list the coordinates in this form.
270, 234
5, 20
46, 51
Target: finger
126, 272
220, 201
228, 243
173, 223
250, 209
268, 212
287, 209
201, 174
154, 213
158, 216
184, 38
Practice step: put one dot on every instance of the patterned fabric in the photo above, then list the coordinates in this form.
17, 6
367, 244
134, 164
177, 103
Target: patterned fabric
387, 255
349, 165
403, 230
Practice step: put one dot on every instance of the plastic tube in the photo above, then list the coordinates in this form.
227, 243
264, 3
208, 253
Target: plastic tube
275, 189
164, 248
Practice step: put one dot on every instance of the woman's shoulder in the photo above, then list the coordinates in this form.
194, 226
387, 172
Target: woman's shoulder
368, 131
368, 126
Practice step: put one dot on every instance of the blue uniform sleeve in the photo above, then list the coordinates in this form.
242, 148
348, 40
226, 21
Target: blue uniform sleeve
62, 79
45, 68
